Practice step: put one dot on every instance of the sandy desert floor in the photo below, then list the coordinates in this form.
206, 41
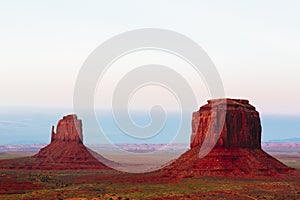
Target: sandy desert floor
29, 184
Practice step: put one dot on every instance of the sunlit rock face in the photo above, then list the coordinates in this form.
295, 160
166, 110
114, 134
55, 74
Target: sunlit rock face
234, 122
231, 129
69, 129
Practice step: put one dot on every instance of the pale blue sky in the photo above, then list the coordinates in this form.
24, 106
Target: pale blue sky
254, 45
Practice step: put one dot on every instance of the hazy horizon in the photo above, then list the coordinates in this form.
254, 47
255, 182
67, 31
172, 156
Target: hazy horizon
34, 127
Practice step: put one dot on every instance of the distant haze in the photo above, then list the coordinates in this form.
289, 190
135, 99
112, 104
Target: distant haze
29, 127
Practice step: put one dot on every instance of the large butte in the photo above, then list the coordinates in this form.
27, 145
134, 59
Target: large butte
225, 141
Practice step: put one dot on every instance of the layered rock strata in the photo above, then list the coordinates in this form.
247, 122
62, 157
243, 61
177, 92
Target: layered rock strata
232, 127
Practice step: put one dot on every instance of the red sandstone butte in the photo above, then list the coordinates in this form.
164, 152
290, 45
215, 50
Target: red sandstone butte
241, 124
66, 151
69, 129
233, 128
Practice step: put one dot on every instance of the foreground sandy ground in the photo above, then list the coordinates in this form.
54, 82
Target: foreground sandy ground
32, 184
116, 185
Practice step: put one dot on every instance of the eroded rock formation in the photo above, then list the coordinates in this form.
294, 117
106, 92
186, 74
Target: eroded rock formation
232, 127
235, 121
69, 129
66, 151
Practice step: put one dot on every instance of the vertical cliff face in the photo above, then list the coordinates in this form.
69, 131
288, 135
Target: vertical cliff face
233, 127
69, 129
235, 121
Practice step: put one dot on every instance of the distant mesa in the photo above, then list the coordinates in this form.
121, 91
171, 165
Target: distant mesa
233, 127
66, 151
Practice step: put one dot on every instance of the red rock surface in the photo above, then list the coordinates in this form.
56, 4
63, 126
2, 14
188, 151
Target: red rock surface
66, 151
69, 129
241, 124
237, 150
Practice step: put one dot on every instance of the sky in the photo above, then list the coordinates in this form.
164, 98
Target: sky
253, 44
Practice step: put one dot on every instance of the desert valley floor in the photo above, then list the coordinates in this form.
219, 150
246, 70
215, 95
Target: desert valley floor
109, 184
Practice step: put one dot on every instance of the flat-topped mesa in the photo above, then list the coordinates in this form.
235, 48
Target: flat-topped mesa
69, 129
241, 128
233, 131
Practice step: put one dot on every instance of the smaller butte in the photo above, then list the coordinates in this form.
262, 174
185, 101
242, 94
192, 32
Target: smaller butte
66, 151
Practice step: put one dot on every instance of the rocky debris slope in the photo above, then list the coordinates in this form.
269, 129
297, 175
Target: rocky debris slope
232, 128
